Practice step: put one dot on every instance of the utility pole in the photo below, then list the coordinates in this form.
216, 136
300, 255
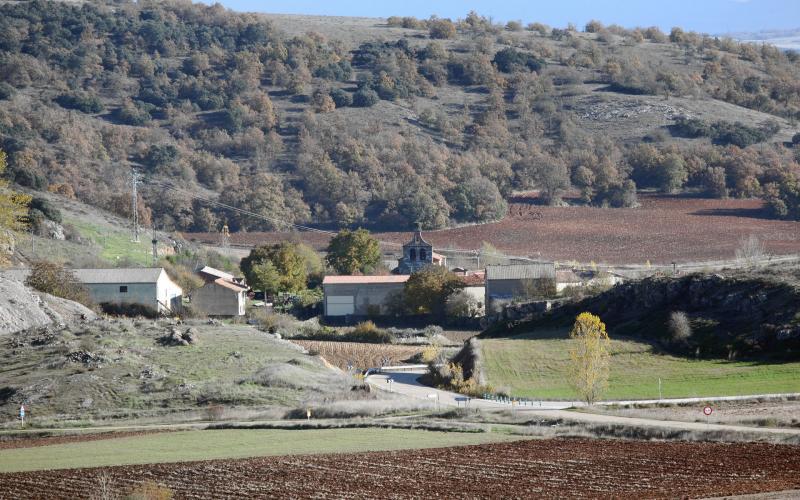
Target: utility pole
225, 239
134, 204
155, 245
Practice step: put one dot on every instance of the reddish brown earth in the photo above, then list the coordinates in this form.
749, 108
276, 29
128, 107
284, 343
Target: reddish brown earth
663, 229
32, 442
576, 468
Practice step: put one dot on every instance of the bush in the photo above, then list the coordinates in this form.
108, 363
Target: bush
509, 59
136, 114
129, 310
54, 279
81, 101
680, 329
6, 91
341, 98
46, 208
441, 29
365, 98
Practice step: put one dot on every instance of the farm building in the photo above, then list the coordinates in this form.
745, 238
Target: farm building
474, 284
518, 282
221, 295
149, 286
359, 295
417, 254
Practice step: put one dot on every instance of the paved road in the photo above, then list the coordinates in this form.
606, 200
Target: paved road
405, 382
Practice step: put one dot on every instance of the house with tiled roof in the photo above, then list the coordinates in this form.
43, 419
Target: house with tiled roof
222, 294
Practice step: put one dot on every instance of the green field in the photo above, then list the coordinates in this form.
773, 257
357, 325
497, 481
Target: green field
234, 443
115, 242
536, 366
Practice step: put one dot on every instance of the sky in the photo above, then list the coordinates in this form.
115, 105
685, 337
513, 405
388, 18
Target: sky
705, 16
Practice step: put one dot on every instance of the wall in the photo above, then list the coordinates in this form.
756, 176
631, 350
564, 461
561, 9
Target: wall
364, 294
507, 290
216, 300
138, 293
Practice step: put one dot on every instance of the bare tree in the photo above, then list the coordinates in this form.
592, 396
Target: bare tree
679, 327
751, 251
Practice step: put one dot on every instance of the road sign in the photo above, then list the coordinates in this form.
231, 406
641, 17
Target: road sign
707, 411
433, 396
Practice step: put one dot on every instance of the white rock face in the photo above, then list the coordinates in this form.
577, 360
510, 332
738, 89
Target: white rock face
22, 308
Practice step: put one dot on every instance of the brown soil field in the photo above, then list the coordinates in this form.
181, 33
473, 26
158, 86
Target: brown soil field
575, 468
7, 443
361, 355
662, 230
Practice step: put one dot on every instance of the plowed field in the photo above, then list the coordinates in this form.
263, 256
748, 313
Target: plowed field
576, 468
662, 230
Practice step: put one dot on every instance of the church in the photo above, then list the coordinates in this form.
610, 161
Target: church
417, 254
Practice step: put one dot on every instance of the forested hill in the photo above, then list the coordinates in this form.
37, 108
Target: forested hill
382, 122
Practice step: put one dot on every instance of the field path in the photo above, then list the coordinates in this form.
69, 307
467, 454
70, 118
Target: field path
406, 383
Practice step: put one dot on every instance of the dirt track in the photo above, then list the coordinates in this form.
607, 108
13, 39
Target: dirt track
543, 468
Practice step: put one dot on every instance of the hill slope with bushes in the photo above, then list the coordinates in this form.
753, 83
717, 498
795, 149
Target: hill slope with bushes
384, 122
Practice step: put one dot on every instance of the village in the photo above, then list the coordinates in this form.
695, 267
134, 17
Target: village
346, 299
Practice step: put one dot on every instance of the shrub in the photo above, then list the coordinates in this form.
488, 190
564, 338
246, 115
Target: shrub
129, 310
680, 329
509, 59
6, 91
81, 101
441, 29
52, 278
365, 98
46, 208
341, 98
136, 114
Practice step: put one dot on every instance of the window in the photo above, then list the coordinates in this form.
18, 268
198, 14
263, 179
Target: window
422, 254
123, 289
412, 255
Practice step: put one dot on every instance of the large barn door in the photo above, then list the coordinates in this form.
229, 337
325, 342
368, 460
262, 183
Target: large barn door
340, 305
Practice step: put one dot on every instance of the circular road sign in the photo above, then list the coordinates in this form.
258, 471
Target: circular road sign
707, 411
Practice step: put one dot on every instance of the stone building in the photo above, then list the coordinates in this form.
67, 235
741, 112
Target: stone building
417, 254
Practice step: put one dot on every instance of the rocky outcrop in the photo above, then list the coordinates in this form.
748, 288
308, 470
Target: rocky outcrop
22, 308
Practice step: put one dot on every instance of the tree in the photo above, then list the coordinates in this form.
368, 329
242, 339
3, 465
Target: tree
353, 251
13, 208
441, 28
427, 290
751, 251
276, 268
365, 98
590, 357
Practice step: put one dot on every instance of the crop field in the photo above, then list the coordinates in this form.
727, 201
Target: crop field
181, 446
537, 366
577, 468
359, 355
662, 230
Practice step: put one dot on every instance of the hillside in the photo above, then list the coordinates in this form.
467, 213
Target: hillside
752, 314
128, 370
382, 123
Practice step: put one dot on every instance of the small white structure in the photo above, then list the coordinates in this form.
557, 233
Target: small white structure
222, 295
149, 286
359, 295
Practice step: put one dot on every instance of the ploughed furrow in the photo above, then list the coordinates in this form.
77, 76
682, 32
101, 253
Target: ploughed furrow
575, 468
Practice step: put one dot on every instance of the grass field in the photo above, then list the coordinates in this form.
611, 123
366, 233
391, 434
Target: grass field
213, 444
537, 365
115, 242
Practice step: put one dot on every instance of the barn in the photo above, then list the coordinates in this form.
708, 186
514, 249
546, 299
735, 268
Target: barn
505, 284
359, 295
221, 295
148, 286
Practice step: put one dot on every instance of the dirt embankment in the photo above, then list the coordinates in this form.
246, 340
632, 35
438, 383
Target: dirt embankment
576, 468
22, 308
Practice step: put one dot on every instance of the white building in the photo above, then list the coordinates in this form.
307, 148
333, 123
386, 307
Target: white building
149, 286
222, 295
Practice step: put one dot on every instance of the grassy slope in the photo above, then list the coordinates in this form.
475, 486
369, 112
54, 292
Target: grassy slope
537, 365
206, 445
140, 378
